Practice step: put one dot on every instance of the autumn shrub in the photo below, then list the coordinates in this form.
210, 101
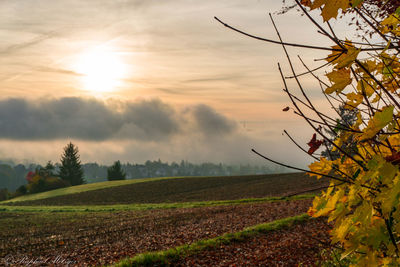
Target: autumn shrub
363, 198
41, 183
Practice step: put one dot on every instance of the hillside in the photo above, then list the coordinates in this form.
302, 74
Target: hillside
168, 190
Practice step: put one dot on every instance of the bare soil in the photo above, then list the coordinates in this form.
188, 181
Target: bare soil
106, 237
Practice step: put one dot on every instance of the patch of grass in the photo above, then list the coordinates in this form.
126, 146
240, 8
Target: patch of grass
172, 190
164, 258
106, 208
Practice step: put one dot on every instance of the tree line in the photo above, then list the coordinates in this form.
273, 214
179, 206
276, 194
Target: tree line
20, 179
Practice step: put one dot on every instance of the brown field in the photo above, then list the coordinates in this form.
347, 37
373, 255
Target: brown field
106, 237
300, 245
189, 189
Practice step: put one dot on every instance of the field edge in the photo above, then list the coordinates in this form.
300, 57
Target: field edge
150, 206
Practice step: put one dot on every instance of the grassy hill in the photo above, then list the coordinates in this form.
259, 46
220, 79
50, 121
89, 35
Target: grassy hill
81, 188
176, 189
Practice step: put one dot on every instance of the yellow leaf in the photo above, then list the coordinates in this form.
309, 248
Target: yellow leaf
311, 211
317, 4
370, 65
378, 122
348, 58
359, 120
331, 7
363, 86
386, 261
330, 205
342, 230
390, 197
338, 143
340, 79
323, 167
354, 100
343, 59
389, 24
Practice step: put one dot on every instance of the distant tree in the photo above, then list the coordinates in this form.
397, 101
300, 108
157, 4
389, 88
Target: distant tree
7, 177
50, 168
22, 190
347, 117
71, 168
4, 194
115, 172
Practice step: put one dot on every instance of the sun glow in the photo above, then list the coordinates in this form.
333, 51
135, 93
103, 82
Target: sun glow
102, 70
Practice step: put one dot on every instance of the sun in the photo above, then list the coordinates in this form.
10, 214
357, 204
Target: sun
101, 68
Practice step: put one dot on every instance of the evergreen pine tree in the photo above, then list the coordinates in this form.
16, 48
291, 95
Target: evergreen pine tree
71, 168
49, 168
115, 172
347, 117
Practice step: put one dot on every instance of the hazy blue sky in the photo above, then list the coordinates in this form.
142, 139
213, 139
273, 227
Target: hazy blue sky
137, 80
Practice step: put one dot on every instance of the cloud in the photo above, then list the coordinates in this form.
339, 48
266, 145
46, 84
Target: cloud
210, 122
20, 46
105, 131
150, 120
57, 70
94, 120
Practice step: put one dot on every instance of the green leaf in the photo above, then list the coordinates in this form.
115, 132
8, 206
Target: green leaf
377, 123
397, 11
357, 3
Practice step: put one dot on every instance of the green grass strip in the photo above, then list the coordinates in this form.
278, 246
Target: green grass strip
164, 258
126, 207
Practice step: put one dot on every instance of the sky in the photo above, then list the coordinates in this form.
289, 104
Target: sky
143, 80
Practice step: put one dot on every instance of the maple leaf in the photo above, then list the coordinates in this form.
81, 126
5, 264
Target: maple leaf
314, 144
380, 120
363, 86
340, 79
306, 3
354, 100
347, 58
330, 7
323, 167
343, 58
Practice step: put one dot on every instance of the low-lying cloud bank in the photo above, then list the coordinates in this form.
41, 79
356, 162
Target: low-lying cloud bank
36, 131
94, 120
